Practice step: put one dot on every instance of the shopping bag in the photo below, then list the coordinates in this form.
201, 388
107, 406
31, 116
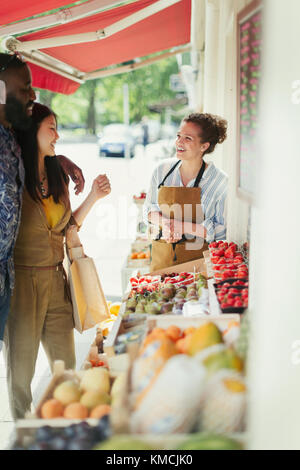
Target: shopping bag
89, 303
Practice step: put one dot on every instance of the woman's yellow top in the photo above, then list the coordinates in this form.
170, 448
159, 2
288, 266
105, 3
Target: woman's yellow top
54, 212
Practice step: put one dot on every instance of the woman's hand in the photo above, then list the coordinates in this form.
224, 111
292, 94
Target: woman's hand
101, 187
172, 230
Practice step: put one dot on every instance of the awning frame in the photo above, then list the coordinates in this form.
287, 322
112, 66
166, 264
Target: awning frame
110, 30
137, 65
66, 15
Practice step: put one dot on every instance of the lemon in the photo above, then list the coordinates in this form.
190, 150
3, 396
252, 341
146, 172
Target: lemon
114, 308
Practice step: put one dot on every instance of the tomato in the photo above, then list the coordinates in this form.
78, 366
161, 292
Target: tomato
230, 252
241, 275
238, 303
230, 301
234, 291
224, 305
213, 245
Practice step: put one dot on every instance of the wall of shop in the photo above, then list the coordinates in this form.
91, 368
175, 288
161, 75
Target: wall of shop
214, 38
274, 374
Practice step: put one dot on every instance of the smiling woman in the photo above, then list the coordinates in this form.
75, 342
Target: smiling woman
41, 310
185, 205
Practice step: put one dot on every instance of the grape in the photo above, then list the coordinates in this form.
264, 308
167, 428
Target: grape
79, 444
58, 443
39, 446
44, 433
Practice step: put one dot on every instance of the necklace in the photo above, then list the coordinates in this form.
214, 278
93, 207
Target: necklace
43, 189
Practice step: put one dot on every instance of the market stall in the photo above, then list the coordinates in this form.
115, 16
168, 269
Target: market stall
166, 331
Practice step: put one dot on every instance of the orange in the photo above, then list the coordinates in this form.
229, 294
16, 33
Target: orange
183, 344
99, 411
180, 345
76, 411
174, 332
52, 409
141, 256
157, 333
189, 330
232, 324
134, 255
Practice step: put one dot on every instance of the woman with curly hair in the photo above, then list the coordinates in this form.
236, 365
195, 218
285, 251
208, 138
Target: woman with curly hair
185, 205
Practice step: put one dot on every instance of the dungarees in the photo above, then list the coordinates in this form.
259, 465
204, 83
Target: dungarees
41, 310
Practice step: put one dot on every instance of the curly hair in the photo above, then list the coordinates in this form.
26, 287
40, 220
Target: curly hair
213, 128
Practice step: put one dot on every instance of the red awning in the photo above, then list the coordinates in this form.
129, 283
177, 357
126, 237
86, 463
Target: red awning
161, 31
45, 79
20, 9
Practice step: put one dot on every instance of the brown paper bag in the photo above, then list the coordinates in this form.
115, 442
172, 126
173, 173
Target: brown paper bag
89, 303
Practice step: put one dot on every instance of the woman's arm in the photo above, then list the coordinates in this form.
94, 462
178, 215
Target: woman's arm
100, 189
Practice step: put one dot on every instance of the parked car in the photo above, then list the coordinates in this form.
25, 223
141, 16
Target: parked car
116, 140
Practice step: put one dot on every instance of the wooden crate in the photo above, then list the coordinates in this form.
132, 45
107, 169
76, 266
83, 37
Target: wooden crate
34, 420
196, 266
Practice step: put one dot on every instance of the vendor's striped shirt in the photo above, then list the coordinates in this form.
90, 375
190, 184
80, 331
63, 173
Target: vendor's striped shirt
214, 185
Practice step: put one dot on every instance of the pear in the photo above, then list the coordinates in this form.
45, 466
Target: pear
140, 308
167, 293
166, 308
131, 303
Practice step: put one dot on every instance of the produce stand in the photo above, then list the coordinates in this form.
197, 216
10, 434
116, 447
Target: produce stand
121, 353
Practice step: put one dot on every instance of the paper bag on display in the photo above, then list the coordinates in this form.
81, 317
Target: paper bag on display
89, 303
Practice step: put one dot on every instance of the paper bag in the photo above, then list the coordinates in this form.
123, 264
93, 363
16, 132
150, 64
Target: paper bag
89, 303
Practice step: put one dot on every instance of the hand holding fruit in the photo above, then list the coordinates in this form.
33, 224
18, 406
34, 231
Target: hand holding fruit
101, 187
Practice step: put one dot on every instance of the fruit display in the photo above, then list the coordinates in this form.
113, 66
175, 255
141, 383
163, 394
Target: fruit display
192, 370
232, 296
77, 436
230, 269
142, 284
227, 261
85, 395
168, 294
140, 255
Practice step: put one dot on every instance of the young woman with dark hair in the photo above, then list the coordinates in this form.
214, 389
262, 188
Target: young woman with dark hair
185, 205
41, 310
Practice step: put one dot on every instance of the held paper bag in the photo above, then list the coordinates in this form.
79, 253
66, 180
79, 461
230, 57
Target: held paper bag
89, 303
